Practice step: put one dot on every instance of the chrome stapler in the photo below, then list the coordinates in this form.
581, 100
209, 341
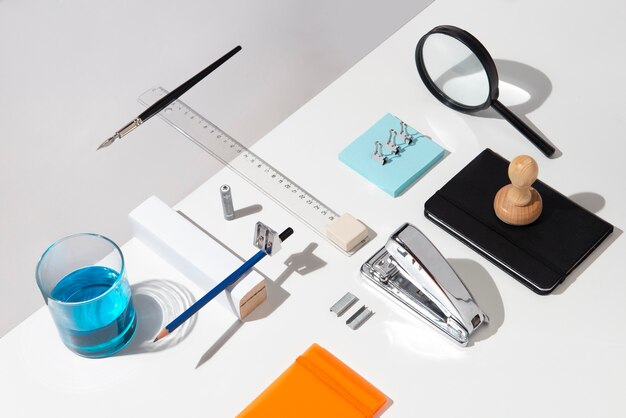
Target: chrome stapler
414, 272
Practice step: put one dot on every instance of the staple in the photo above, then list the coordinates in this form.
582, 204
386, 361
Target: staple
359, 317
344, 304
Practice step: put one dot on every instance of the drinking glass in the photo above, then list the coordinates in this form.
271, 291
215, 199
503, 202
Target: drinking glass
83, 281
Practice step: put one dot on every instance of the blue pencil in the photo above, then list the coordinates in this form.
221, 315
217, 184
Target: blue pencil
232, 278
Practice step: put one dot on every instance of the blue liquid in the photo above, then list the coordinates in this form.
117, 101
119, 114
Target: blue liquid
93, 311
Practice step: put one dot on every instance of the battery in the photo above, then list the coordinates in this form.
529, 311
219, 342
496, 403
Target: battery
227, 202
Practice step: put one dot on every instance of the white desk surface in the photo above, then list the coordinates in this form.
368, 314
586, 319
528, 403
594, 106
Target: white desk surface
557, 355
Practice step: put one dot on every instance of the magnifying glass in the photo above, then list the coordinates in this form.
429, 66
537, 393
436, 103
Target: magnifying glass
460, 73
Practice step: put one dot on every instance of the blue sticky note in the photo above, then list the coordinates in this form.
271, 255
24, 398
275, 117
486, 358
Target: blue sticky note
400, 170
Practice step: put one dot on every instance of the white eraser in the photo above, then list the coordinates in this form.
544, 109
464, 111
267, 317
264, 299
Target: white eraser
195, 254
346, 231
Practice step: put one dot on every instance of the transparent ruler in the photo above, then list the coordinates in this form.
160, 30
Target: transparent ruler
248, 165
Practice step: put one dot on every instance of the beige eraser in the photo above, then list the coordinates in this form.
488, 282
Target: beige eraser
346, 231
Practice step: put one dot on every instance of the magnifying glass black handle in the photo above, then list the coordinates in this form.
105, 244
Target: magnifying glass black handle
532, 136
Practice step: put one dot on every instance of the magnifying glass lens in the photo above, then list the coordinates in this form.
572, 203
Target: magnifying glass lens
460, 73
455, 70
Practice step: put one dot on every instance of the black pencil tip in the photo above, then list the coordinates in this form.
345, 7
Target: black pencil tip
161, 334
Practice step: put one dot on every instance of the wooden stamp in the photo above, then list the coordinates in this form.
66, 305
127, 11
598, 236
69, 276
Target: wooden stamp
518, 203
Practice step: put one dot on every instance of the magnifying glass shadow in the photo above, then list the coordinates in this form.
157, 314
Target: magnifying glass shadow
473, 82
523, 89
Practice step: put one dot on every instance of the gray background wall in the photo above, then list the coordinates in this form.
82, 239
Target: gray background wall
70, 75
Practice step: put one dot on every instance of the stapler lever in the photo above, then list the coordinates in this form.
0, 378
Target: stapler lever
411, 270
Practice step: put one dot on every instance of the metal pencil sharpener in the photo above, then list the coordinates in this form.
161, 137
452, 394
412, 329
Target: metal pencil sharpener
266, 239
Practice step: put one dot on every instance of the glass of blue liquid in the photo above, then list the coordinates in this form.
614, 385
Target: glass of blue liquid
83, 281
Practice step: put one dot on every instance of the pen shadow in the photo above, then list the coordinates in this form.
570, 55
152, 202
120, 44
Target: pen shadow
157, 302
301, 263
485, 292
529, 80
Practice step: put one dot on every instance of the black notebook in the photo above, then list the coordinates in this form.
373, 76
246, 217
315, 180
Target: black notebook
539, 255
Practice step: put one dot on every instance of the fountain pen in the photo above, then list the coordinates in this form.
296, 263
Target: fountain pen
163, 102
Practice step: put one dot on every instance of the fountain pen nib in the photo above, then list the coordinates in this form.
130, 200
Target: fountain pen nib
108, 142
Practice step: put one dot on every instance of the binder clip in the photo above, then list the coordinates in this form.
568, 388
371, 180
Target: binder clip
411, 270
390, 144
408, 139
378, 155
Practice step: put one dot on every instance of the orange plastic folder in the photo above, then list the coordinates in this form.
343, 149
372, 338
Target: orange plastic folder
317, 384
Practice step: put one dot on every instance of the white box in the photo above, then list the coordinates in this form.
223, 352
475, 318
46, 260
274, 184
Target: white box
196, 254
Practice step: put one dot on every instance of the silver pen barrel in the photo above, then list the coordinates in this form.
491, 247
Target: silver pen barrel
122, 132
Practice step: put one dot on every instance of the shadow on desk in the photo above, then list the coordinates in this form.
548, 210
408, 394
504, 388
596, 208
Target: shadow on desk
485, 293
247, 211
516, 81
302, 263
593, 202
529, 80
157, 302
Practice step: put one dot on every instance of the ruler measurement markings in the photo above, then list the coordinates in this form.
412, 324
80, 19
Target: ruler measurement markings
247, 164
253, 158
